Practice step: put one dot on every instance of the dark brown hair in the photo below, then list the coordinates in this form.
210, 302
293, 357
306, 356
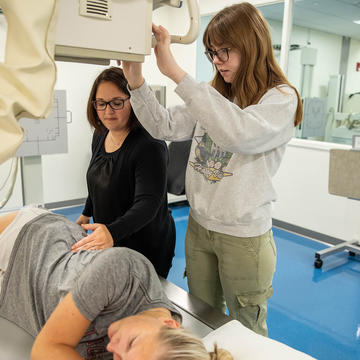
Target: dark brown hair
242, 26
116, 76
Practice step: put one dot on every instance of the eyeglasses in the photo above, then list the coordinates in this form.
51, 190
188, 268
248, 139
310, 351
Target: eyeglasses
115, 104
222, 54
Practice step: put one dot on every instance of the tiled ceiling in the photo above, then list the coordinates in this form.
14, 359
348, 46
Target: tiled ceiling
333, 16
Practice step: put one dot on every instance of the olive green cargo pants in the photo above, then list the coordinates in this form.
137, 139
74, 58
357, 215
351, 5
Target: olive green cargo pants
225, 270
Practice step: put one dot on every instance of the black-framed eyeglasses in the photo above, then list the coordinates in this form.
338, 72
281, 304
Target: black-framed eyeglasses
222, 54
115, 104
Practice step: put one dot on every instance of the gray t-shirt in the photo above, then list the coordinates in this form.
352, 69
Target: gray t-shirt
106, 285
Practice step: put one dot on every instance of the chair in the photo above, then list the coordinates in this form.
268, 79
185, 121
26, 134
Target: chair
178, 157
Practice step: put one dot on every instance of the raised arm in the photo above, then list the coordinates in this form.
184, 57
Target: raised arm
164, 58
61, 334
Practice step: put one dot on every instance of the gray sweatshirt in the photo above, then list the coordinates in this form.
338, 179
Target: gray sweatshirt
234, 154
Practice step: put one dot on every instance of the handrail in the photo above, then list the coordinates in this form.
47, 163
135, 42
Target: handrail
194, 29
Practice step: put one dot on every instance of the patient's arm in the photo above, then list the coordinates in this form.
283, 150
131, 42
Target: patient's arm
61, 333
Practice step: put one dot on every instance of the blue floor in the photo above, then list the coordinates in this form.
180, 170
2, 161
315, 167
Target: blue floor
313, 310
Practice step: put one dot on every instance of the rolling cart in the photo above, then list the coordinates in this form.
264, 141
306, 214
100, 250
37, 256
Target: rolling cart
344, 180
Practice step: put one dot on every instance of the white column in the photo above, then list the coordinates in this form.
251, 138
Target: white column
32, 180
286, 33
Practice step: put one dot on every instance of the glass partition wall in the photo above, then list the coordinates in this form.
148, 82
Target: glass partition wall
324, 65
322, 60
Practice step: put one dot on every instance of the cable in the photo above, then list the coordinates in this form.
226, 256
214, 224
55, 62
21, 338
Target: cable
8, 175
12, 175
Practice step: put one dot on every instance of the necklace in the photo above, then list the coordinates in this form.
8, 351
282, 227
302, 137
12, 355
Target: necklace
119, 143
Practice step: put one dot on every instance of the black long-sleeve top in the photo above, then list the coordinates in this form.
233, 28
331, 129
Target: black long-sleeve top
128, 193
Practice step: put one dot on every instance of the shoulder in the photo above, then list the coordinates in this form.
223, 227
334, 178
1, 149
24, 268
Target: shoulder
145, 144
97, 138
121, 261
282, 90
282, 94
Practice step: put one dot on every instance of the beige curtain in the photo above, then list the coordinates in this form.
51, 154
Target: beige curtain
28, 74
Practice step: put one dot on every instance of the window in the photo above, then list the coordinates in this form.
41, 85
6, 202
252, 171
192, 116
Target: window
324, 65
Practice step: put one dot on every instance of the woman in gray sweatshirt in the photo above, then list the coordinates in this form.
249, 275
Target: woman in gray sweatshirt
239, 124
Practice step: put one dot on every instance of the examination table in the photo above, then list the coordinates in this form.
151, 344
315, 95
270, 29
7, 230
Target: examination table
203, 320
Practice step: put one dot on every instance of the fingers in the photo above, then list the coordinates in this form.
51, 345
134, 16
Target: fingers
99, 239
84, 244
82, 219
156, 31
88, 247
154, 28
90, 226
163, 30
160, 32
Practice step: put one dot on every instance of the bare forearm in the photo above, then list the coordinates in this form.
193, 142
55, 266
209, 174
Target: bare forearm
177, 74
133, 74
54, 352
61, 333
164, 57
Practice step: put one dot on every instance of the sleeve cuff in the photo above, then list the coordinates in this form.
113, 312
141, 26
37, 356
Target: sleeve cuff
143, 89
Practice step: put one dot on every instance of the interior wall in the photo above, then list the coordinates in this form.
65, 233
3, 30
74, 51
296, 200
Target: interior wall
326, 65
302, 187
213, 6
63, 175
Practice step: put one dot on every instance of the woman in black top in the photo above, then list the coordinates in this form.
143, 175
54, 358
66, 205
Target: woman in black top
126, 179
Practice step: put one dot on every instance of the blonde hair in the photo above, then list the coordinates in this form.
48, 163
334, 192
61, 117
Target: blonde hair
181, 344
242, 27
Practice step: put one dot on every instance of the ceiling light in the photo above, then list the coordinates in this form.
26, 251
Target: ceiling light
357, 22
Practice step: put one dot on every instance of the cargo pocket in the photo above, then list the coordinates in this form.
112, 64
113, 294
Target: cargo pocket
253, 310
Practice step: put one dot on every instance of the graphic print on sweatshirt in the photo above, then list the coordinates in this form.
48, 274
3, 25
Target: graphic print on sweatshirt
210, 160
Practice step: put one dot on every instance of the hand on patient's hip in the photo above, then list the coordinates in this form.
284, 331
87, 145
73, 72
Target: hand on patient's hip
100, 238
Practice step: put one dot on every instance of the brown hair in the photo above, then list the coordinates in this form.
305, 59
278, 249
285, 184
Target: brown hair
243, 27
116, 76
181, 344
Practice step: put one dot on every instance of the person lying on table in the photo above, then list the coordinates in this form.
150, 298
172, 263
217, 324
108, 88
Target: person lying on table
86, 304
